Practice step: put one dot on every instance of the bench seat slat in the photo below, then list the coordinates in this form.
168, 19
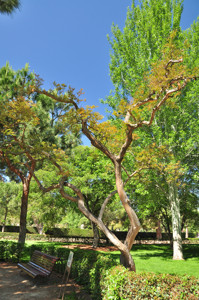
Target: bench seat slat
31, 271
42, 270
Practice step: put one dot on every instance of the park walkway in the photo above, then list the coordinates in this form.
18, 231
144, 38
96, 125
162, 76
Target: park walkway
15, 284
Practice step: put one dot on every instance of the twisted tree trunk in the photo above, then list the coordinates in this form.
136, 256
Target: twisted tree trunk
125, 257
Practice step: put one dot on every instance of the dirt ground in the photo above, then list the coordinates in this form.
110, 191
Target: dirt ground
16, 284
89, 247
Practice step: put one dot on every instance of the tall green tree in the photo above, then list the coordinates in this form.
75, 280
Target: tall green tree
17, 119
134, 49
28, 125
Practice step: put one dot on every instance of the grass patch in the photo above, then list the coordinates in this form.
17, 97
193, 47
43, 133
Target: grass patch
158, 259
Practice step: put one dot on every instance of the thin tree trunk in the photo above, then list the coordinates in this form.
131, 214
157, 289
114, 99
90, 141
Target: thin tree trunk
96, 235
176, 222
5, 218
186, 232
158, 231
38, 225
24, 209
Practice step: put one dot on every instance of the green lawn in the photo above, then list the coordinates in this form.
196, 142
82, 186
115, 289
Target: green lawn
158, 259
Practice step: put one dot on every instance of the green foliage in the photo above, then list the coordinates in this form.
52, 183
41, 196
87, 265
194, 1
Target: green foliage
10, 251
93, 173
134, 49
118, 283
67, 232
8, 6
9, 202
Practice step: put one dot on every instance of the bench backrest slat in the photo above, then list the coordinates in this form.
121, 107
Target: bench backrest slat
43, 260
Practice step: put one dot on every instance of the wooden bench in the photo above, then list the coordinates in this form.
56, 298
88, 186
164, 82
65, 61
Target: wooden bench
40, 265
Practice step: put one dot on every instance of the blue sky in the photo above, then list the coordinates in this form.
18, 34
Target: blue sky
66, 41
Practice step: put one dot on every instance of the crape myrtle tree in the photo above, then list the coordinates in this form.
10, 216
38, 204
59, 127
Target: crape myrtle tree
166, 79
28, 123
133, 52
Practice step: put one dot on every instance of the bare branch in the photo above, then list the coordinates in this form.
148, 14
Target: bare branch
105, 203
60, 98
171, 63
126, 144
95, 142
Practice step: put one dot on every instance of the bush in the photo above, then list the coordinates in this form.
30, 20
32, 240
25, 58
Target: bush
10, 251
119, 283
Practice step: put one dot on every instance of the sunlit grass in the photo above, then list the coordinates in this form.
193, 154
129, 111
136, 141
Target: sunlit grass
158, 259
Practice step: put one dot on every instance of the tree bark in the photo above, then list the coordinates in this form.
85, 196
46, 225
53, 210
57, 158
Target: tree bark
38, 225
5, 217
186, 232
176, 222
26, 186
126, 258
158, 231
96, 235
24, 209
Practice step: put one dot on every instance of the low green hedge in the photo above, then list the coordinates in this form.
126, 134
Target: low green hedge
119, 283
104, 279
69, 232
29, 236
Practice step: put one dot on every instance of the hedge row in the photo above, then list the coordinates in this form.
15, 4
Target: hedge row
119, 283
11, 228
104, 279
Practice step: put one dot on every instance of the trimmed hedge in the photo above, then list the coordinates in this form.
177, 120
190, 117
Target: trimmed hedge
88, 233
104, 279
11, 228
119, 283
69, 232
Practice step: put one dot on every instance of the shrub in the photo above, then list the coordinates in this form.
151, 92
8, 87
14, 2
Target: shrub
10, 251
119, 283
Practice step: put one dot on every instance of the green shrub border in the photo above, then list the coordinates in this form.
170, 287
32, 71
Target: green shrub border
119, 283
103, 278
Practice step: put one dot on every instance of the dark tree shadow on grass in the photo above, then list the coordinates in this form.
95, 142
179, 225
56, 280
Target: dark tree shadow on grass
162, 251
